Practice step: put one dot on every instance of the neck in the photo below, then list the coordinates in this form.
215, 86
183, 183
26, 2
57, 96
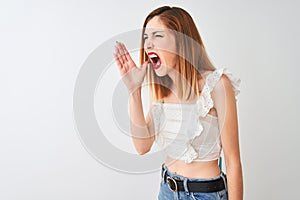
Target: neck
173, 86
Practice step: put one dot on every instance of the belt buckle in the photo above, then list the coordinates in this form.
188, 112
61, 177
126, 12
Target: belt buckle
174, 182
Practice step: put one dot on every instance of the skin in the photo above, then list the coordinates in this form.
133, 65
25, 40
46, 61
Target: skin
163, 43
161, 40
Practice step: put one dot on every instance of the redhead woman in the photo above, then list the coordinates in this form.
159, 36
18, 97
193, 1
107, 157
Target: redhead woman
192, 114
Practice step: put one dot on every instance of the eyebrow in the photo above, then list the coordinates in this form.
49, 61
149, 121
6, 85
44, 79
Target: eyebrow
153, 32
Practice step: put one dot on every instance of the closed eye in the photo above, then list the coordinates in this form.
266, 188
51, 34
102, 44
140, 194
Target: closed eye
145, 38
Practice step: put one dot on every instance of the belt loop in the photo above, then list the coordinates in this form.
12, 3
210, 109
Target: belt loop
185, 186
164, 170
223, 175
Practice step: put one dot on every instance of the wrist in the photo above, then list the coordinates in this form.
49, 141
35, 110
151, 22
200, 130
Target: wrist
135, 93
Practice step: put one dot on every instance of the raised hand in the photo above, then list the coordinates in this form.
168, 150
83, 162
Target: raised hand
132, 76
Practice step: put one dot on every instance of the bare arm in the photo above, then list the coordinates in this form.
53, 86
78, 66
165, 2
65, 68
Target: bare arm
225, 104
141, 129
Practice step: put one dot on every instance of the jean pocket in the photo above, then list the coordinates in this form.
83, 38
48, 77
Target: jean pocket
223, 194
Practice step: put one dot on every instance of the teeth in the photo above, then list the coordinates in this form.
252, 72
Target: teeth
153, 56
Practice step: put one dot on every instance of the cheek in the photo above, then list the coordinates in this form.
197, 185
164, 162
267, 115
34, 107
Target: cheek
168, 53
168, 46
169, 58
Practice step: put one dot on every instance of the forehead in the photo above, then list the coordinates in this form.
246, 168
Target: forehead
155, 24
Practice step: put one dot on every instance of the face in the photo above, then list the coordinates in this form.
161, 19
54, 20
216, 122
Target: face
160, 46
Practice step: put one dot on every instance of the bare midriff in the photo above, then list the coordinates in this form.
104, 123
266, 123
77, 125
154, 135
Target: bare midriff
207, 169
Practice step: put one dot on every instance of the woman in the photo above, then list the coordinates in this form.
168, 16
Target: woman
192, 114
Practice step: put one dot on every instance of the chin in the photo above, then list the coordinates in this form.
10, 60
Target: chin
161, 71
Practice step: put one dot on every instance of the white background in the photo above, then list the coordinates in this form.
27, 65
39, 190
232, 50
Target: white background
43, 45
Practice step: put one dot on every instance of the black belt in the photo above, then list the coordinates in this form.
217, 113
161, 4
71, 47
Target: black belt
198, 186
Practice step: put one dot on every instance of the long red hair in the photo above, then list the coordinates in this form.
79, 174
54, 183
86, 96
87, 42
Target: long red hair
193, 59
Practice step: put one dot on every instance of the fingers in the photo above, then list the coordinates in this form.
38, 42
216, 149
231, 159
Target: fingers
120, 58
121, 53
118, 53
123, 58
127, 55
119, 63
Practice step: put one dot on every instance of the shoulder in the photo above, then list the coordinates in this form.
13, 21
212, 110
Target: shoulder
226, 86
223, 84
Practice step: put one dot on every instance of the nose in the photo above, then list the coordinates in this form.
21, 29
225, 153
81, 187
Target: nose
149, 44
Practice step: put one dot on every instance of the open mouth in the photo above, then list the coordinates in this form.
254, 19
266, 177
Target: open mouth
155, 60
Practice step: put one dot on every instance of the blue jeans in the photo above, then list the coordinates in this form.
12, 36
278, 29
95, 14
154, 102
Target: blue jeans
166, 194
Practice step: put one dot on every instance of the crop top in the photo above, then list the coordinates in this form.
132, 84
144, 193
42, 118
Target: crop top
186, 131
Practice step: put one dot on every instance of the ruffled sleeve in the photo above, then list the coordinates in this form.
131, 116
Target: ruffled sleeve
235, 82
205, 102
